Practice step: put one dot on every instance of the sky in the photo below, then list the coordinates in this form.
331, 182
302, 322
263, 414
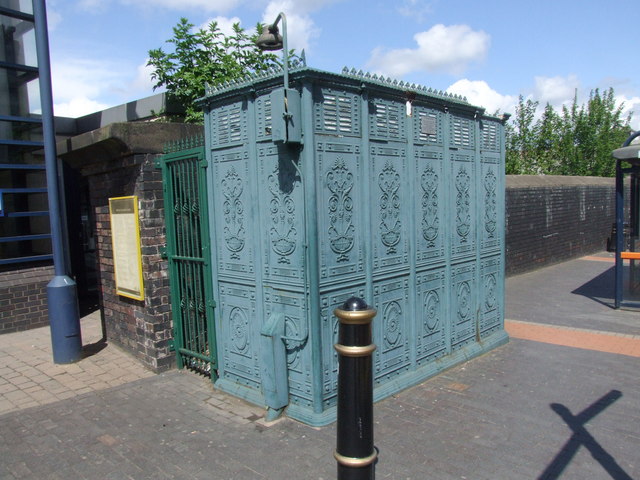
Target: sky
490, 51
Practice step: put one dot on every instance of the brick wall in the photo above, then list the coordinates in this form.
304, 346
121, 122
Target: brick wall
141, 327
119, 160
551, 219
23, 298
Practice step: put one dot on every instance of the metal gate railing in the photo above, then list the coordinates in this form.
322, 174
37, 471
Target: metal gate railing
188, 251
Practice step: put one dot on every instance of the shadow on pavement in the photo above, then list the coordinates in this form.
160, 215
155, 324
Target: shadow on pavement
93, 348
600, 288
581, 437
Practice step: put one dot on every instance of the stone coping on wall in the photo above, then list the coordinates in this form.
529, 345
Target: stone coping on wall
531, 181
25, 276
119, 139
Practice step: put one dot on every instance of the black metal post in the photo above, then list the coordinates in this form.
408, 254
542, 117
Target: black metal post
619, 235
355, 452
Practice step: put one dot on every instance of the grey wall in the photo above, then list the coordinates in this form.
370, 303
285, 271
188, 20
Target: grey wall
551, 219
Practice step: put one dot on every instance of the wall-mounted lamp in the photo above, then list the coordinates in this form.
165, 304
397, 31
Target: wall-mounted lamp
285, 102
270, 40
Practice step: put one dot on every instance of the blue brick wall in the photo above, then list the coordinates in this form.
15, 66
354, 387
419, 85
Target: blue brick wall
551, 219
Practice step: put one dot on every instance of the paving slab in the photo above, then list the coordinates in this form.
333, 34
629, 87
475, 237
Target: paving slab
578, 293
535, 408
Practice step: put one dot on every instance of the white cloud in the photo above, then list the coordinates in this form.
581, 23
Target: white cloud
555, 90
225, 25
77, 107
559, 91
479, 93
84, 78
204, 5
82, 86
301, 29
442, 48
143, 79
416, 9
631, 105
296, 7
219, 6
92, 4
53, 19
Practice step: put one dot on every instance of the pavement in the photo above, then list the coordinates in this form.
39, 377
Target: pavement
561, 400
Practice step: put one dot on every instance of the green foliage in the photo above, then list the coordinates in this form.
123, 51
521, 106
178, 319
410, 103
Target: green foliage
576, 141
521, 134
205, 56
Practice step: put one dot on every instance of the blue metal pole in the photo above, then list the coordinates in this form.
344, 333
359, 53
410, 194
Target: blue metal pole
619, 234
62, 297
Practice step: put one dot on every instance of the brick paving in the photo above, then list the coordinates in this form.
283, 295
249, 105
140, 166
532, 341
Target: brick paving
532, 409
619, 343
29, 378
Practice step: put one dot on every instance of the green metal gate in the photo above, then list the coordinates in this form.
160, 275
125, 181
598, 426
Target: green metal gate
188, 252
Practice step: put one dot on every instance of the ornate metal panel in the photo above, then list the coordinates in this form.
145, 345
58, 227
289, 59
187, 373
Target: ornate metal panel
336, 112
430, 340
339, 173
228, 124
463, 304
328, 303
293, 306
427, 126
282, 210
490, 136
391, 329
264, 123
239, 329
491, 294
463, 206
234, 225
491, 198
389, 207
387, 120
429, 201
462, 132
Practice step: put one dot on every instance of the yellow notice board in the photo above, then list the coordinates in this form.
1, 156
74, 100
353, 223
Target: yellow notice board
125, 237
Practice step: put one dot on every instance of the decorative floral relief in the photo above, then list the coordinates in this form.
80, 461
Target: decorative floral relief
233, 211
341, 229
431, 311
464, 301
463, 204
238, 324
490, 298
490, 203
389, 183
391, 319
282, 209
293, 347
430, 219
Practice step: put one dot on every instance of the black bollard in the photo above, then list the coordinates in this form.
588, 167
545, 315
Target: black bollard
355, 452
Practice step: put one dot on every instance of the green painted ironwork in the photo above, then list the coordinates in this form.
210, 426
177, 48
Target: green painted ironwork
188, 253
391, 192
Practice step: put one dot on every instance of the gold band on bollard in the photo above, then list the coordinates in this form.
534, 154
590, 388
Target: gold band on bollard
357, 317
362, 351
354, 461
